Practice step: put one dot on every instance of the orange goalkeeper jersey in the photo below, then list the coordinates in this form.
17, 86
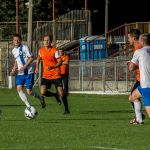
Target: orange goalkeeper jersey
48, 57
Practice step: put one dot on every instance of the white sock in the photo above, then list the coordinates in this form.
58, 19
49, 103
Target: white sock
36, 95
24, 98
138, 112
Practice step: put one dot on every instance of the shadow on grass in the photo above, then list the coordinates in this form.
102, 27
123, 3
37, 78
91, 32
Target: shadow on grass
15, 105
105, 111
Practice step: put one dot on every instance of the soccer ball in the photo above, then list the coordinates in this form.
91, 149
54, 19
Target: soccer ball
30, 113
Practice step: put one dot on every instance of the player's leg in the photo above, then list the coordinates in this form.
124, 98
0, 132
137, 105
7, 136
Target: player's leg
147, 108
146, 99
136, 103
46, 84
58, 85
65, 84
29, 84
137, 106
20, 81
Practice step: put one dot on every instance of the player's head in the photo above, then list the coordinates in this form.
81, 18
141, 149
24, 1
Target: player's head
17, 40
133, 36
47, 41
145, 39
61, 52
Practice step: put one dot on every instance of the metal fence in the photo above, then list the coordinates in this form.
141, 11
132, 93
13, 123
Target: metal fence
71, 25
105, 75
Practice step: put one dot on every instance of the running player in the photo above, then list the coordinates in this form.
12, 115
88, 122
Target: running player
142, 58
64, 68
133, 38
24, 67
51, 71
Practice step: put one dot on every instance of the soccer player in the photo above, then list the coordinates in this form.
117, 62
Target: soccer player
25, 73
141, 57
133, 38
64, 68
51, 71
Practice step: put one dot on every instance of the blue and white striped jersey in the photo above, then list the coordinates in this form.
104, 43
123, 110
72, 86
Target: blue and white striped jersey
21, 55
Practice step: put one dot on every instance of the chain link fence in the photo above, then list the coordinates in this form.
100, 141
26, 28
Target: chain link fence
102, 75
105, 75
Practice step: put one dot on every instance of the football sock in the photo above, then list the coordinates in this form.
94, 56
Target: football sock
65, 102
132, 103
24, 98
138, 112
36, 95
49, 94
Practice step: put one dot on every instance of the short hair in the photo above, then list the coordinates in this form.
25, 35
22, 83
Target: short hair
146, 38
135, 33
17, 35
50, 37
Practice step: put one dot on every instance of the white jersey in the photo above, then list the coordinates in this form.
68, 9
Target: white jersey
141, 57
21, 55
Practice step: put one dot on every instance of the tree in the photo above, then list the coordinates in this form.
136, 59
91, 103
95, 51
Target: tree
42, 9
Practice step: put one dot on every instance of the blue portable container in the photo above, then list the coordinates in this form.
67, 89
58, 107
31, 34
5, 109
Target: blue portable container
93, 48
83, 48
100, 47
92, 54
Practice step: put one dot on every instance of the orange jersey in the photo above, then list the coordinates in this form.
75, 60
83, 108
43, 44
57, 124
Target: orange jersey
137, 46
48, 57
64, 68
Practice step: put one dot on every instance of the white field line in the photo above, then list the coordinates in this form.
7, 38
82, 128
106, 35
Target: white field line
100, 92
63, 147
106, 148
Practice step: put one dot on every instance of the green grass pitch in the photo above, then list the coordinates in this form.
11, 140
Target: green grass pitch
95, 122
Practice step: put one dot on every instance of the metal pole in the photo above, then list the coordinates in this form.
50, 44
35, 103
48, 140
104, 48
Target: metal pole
86, 16
54, 25
106, 16
17, 20
30, 25
89, 24
86, 5
53, 9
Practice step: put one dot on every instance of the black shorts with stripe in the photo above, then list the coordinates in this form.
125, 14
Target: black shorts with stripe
49, 82
137, 83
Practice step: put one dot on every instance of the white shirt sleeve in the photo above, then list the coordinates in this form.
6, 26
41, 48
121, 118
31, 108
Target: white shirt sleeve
57, 55
135, 58
28, 51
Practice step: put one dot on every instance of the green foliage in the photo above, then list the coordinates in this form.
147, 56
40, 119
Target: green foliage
42, 9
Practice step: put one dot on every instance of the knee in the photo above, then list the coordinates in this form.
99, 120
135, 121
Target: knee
29, 92
133, 97
61, 93
130, 98
43, 93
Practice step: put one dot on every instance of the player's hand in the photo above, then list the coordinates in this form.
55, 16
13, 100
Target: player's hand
128, 62
13, 72
21, 70
36, 71
50, 67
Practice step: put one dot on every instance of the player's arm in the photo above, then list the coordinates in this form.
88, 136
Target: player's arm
131, 66
57, 65
29, 61
59, 61
14, 68
66, 61
37, 64
30, 58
